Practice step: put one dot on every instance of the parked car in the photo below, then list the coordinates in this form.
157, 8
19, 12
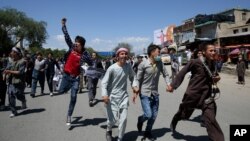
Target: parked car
165, 58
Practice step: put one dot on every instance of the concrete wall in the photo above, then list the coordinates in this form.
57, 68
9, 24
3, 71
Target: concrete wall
227, 29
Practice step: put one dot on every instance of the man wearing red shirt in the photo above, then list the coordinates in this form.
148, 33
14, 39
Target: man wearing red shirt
74, 58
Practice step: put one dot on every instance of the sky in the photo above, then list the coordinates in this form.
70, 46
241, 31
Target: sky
105, 23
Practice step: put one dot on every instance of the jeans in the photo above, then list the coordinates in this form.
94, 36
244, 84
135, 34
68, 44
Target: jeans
37, 76
92, 84
49, 77
69, 82
15, 92
150, 106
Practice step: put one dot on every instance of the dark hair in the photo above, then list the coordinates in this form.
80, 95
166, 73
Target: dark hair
203, 46
39, 53
152, 48
81, 40
195, 54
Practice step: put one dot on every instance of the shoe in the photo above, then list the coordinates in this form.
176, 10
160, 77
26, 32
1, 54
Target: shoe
2, 107
51, 94
202, 124
68, 121
149, 135
139, 124
173, 125
24, 106
80, 91
91, 103
109, 135
32, 95
13, 114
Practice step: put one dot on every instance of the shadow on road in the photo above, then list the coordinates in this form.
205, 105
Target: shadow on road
31, 111
44, 94
180, 136
77, 122
133, 135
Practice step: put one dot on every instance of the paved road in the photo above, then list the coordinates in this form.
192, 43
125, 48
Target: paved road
44, 120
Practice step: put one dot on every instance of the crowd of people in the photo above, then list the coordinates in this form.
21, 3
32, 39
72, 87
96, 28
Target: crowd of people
79, 66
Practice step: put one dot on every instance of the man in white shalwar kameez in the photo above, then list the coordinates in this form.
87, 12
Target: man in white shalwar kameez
115, 95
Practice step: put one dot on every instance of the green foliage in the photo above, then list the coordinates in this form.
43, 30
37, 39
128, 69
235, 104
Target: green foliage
16, 27
45, 51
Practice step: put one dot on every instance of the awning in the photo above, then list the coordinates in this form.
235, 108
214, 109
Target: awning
237, 46
235, 51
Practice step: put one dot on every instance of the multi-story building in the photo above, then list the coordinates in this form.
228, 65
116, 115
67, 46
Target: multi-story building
230, 29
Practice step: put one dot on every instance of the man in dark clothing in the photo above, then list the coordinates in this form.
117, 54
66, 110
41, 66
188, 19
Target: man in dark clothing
3, 86
136, 64
198, 93
50, 71
93, 81
74, 58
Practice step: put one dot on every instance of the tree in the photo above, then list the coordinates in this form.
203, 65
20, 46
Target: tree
16, 27
124, 45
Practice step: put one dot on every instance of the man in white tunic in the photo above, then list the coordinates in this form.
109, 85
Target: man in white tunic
115, 95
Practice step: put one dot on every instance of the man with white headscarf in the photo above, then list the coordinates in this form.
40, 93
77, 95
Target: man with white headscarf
114, 92
15, 80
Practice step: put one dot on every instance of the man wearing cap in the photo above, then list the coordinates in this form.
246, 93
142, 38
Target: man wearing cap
148, 76
114, 92
74, 58
15, 80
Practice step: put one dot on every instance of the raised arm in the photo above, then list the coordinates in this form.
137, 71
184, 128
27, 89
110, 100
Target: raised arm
66, 34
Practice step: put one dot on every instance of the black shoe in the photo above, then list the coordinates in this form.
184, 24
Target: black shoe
139, 124
24, 106
173, 125
32, 95
149, 135
109, 135
91, 103
80, 91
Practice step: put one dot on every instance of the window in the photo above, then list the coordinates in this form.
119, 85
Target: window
244, 29
244, 15
236, 31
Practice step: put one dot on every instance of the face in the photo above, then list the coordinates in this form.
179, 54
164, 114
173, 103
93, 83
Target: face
78, 46
199, 54
13, 54
50, 56
210, 52
94, 55
155, 52
39, 57
122, 57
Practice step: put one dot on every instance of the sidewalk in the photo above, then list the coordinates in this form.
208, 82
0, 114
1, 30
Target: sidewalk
231, 69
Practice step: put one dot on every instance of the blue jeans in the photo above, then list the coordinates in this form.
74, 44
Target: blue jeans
37, 76
67, 83
150, 106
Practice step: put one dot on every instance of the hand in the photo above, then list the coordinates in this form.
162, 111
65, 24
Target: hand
134, 98
64, 21
6, 71
216, 78
105, 99
169, 88
136, 90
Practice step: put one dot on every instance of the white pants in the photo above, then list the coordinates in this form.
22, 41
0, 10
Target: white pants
114, 116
